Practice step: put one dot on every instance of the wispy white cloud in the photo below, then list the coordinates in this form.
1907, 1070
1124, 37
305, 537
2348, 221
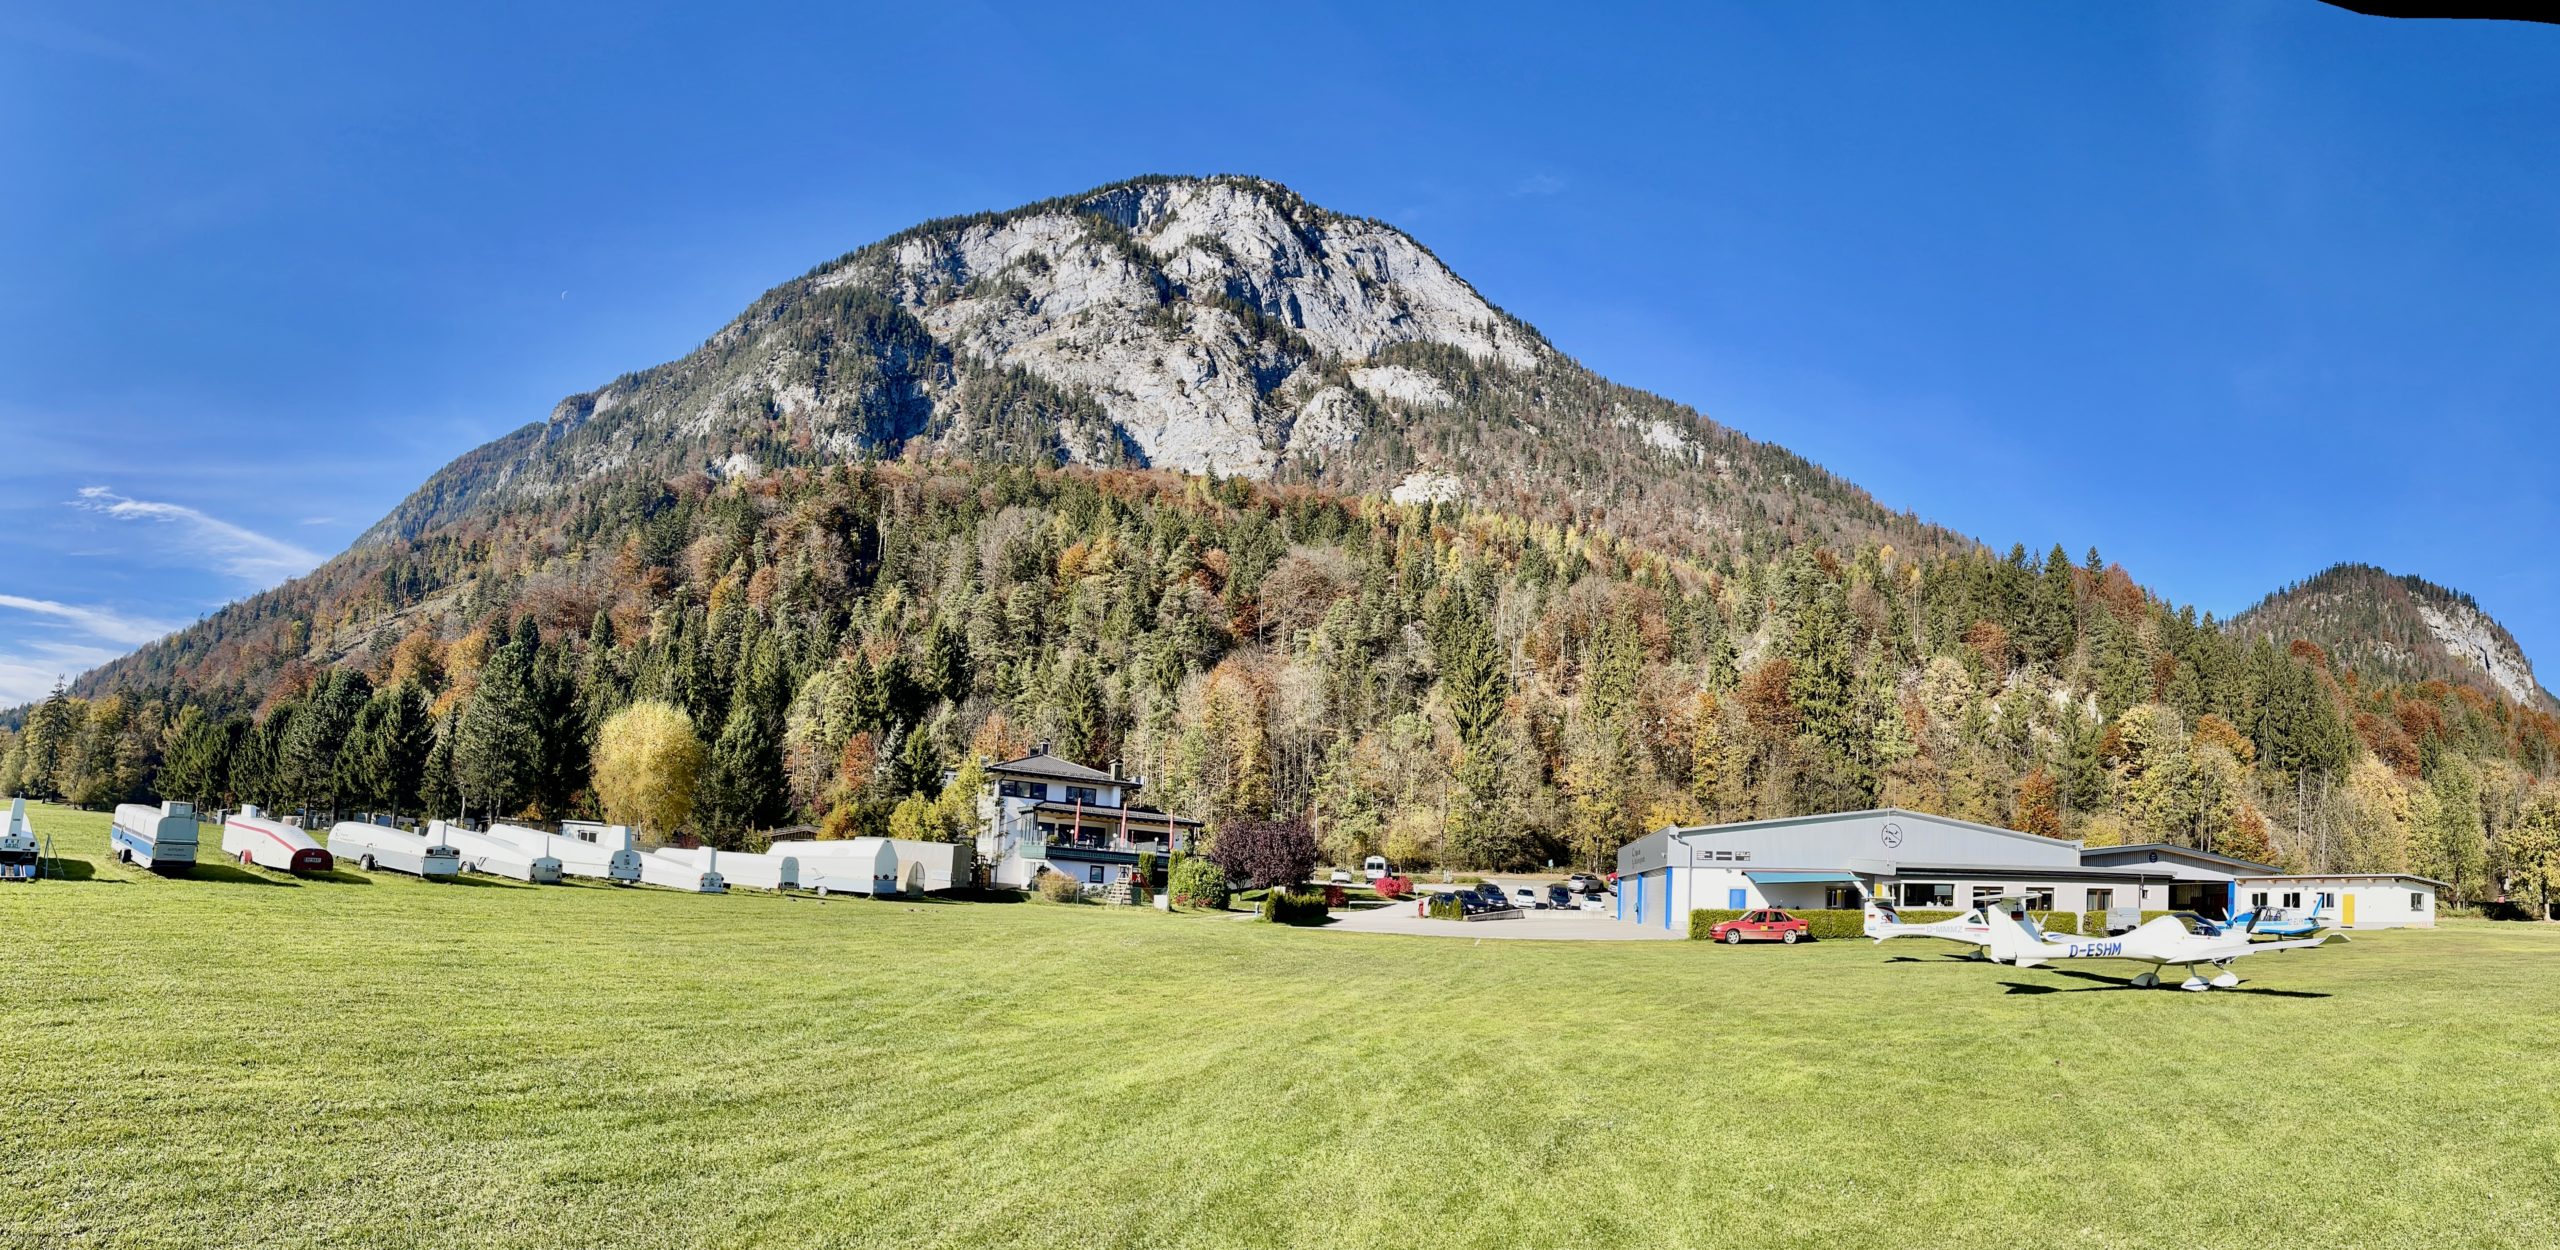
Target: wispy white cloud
242, 552
105, 624
317, 520
25, 680
89, 636
1539, 184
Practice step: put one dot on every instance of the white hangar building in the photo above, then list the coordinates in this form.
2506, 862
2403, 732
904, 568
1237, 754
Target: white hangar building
1914, 860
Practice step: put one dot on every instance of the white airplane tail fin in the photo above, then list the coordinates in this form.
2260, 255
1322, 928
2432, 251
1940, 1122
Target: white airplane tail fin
1881, 920
2010, 942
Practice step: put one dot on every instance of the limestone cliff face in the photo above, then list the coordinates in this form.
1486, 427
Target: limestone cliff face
1209, 325
2398, 627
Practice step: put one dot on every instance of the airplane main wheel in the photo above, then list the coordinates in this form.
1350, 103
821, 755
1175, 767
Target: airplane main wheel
1733, 937
2146, 980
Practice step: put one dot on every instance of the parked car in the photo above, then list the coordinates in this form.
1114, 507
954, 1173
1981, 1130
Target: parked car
1768, 924
1493, 897
1528, 898
1585, 883
1560, 898
1341, 876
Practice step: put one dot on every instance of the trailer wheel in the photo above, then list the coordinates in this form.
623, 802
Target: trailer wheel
365, 862
247, 862
123, 856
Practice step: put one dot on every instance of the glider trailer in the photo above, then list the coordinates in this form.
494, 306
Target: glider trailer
254, 838
161, 839
20, 853
376, 848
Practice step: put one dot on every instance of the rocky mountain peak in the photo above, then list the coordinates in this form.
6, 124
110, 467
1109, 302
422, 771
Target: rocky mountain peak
2400, 627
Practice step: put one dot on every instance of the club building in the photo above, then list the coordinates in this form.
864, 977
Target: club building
1043, 814
1913, 860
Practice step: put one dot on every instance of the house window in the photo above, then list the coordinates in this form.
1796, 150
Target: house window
2258, 899
1082, 794
2040, 898
2101, 900
1093, 875
1983, 894
2417, 901
1926, 894
2293, 898
1039, 790
1842, 898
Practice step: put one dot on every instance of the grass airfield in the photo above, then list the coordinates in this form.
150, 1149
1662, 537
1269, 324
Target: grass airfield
242, 1059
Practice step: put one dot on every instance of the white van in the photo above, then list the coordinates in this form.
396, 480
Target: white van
375, 848
162, 839
1375, 867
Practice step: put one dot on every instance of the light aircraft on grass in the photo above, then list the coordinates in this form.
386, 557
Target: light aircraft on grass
1972, 928
2163, 942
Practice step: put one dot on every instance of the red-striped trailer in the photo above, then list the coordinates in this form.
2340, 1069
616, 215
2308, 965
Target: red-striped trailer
253, 838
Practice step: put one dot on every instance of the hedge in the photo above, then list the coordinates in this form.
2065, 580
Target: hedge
1283, 907
1843, 923
1445, 907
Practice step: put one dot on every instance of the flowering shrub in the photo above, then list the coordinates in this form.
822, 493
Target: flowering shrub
1392, 887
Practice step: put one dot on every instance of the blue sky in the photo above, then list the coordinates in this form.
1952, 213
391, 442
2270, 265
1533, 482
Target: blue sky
2230, 291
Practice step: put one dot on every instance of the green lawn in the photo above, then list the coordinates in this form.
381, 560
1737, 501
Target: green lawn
242, 1060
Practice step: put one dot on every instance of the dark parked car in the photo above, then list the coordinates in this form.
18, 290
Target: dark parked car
1494, 898
1559, 897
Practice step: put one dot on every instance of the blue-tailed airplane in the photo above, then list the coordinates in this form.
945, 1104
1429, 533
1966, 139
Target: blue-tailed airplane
2163, 942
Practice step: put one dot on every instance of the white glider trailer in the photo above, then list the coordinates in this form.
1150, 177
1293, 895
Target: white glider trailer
20, 853
609, 859
851, 866
375, 848
495, 856
662, 869
742, 868
162, 839
253, 837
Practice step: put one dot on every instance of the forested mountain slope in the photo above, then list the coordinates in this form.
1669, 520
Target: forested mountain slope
2399, 628
1446, 594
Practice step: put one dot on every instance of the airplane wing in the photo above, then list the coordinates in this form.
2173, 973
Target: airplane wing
2217, 950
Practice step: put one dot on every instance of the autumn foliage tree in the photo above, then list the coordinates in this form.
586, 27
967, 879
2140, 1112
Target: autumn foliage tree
1264, 853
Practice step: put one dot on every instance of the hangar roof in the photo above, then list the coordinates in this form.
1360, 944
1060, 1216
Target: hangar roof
2162, 852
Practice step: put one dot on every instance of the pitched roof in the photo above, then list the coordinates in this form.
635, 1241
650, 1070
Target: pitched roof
1043, 764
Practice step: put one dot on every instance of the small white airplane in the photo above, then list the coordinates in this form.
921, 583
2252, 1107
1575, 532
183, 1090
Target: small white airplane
1970, 928
2163, 943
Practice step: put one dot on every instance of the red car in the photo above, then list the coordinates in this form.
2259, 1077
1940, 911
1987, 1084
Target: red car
1766, 925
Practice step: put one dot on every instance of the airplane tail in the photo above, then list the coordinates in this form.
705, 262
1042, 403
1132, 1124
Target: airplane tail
2010, 942
1881, 920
